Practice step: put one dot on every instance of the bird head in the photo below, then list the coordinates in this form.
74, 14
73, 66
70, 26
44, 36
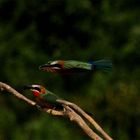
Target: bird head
36, 89
52, 66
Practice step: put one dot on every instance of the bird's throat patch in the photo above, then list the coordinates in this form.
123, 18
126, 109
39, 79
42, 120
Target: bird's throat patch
35, 93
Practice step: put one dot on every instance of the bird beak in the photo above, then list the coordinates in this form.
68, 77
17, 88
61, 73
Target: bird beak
28, 87
42, 67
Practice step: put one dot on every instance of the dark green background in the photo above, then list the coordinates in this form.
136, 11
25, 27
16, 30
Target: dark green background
34, 32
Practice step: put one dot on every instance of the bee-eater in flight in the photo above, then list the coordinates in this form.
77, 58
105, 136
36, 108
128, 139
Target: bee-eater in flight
73, 66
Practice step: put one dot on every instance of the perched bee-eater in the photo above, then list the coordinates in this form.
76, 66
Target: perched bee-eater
73, 66
44, 98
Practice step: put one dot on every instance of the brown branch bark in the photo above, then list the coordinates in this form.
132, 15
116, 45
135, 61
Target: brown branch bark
78, 119
6, 87
68, 112
85, 115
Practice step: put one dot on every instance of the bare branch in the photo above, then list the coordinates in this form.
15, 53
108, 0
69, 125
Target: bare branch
6, 87
90, 119
68, 112
75, 117
53, 112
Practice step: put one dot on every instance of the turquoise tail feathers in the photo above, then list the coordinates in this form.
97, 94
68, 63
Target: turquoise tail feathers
105, 65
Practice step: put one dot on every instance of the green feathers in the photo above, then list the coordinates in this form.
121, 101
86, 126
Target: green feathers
69, 64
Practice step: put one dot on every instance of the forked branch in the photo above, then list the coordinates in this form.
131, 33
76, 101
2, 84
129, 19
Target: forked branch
86, 116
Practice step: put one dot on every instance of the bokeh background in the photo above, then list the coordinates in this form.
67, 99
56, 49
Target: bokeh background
34, 32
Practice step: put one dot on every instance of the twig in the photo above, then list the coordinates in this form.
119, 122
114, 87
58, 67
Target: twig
90, 119
76, 118
6, 87
68, 112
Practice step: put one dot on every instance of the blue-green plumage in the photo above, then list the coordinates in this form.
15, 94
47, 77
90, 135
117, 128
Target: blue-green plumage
105, 65
48, 100
73, 66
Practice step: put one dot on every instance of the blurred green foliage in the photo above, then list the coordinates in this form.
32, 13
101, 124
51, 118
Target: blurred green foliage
34, 32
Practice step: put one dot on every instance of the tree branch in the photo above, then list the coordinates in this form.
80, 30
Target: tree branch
6, 87
89, 118
67, 111
78, 119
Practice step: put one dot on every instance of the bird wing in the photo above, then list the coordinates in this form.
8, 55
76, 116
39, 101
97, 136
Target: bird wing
50, 98
72, 64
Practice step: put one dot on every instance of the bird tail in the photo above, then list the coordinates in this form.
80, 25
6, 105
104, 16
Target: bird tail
103, 64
